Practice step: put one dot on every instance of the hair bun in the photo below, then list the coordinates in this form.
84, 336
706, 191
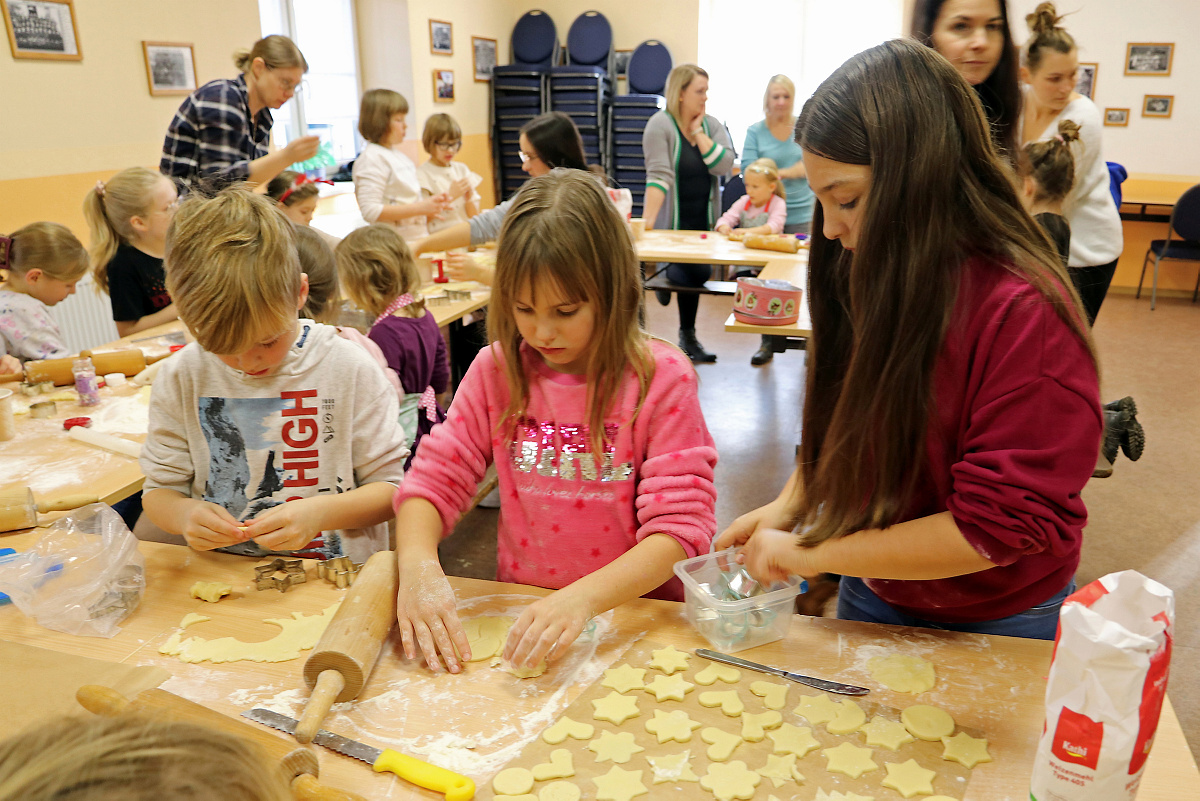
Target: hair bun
1044, 18
1068, 130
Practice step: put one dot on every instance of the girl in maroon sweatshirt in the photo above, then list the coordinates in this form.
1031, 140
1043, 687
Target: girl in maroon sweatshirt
952, 414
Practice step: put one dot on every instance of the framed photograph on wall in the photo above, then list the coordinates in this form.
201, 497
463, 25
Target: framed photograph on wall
441, 38
1085, 79
1158, 105
483, 57
1116, 116
42, 29
170, 67
1149, 58
443, 86
621, 62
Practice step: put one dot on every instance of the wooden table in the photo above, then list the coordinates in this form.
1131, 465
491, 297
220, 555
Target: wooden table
701, 247
994, 684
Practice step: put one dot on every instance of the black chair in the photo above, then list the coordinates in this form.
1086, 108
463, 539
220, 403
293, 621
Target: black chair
581, 88
734, 188
519, 93
1185, 221
649, 66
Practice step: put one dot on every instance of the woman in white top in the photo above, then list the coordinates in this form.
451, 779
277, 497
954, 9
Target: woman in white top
385, 179
1049, 69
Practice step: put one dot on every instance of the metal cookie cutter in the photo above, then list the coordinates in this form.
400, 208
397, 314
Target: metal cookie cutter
265, 577
456, 295
339, 572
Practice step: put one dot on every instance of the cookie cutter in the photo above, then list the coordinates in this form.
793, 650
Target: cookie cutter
456, 295
266, 578
340, 572
437, 300
43, 409
30, 389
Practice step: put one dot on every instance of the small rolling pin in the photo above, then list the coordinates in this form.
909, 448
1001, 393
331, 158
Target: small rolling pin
783, 244
98, 439
130, 361
299, 764
338, 667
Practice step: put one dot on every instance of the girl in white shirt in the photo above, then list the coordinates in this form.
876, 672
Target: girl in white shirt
443, 175
385, 180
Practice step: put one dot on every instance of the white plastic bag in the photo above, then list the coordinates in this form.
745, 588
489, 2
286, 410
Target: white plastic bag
1105, 691
84, 576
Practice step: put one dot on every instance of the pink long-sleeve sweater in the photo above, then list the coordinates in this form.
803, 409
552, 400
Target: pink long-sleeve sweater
562, 515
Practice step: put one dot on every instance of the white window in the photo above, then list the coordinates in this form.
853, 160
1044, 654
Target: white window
741, 46
328, 103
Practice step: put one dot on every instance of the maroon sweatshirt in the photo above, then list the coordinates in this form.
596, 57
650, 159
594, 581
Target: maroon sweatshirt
1013, 438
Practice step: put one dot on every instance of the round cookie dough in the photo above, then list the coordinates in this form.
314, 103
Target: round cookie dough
903, 673
513, 781
927, 722
560, 791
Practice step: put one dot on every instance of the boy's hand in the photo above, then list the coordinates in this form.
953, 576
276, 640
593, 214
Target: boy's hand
287, 527
207, 525
427, 615
547, 628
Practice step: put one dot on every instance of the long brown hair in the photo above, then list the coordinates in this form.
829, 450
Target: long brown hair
1000, 93
562, 229
939, 194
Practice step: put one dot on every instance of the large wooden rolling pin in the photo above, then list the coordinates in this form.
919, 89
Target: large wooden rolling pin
783, 244
299, 764
338, 667
130, 361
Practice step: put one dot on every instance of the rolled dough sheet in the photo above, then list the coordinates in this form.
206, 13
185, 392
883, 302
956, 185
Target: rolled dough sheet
297, 633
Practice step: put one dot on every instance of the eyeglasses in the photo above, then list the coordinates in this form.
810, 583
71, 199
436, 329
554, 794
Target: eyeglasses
525, 157
453, 147
296, 87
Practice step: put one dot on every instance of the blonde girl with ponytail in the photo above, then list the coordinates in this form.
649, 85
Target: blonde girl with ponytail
128, 217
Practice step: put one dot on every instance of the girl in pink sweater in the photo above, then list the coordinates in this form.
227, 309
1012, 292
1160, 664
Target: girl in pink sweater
604, 460
763, 209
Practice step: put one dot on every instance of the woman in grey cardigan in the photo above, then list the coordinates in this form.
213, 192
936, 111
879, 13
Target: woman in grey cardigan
686, 150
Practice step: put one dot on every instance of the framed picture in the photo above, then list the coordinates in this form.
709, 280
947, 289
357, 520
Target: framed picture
42, 29
170, 67
1149, 58
1085, 80
621, 62
441, 38
483, 57
1158, 105
443, 86
1116, 116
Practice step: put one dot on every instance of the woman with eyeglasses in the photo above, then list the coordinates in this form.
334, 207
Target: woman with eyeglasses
220, 133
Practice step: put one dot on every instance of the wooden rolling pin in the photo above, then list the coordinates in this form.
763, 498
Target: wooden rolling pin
783, 244
130, 361
338, 667
298, 764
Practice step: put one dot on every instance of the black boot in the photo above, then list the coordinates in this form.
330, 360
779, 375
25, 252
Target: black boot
1114, 425
692, 347
664, 297
765, 352
1131, 437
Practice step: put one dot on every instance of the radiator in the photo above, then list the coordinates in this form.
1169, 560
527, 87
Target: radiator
85, 318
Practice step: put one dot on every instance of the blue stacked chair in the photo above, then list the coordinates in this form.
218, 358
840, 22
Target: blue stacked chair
519, 93
647, 74
582, 87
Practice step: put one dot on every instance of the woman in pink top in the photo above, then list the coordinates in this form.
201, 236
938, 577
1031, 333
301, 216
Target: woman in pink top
604, 461
951, 415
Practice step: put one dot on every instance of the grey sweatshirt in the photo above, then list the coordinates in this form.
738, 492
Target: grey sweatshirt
661, 143
324, 421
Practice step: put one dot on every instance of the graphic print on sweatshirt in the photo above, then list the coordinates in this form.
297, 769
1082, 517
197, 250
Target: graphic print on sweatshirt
264, 452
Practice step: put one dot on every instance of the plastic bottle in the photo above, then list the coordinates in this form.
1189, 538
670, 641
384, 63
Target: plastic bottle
85, 382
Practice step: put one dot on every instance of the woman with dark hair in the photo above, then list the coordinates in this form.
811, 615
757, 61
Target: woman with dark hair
951, 415
974, 37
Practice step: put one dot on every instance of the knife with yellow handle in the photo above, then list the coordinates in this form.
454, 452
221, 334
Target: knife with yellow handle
422, 774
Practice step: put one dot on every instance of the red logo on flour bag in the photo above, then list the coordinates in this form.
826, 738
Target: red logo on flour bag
1154, 690
1077, 739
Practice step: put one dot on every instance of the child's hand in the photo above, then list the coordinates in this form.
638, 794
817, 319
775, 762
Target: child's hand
287, 527
773, 515
10, 364
426, 612
724, 228
463, 267
207, 525
547, 628
459, 188
772, 555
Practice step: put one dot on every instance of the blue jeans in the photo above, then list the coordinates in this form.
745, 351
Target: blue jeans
857, 602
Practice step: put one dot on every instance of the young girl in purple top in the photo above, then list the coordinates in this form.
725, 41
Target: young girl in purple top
381, 278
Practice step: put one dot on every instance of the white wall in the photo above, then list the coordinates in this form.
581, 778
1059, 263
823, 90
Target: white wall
1102, 29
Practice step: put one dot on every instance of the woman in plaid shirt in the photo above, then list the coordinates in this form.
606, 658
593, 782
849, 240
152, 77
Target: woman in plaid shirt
220, 133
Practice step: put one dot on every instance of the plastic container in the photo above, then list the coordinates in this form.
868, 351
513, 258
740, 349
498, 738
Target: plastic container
85, 382
734, 625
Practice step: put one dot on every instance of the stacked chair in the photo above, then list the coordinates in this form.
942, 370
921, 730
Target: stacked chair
647, 74
519, 93
582, 87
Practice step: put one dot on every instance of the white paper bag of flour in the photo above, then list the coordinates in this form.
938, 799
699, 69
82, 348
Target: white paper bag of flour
1106, 687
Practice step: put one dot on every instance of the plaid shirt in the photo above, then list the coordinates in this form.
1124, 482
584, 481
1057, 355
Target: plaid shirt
212, 138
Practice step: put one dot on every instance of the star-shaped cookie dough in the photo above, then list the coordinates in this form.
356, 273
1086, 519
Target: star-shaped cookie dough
817, 709
619, 785
615, 708
669, 688
754, 727
887, 733
774, 695
909, 778
669, 660
673, 768
675, 725
618, 747
849, 718
730, 781
566, 727
850, 760
781, 768
791, 739
966, 750
624, 678
717, 672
